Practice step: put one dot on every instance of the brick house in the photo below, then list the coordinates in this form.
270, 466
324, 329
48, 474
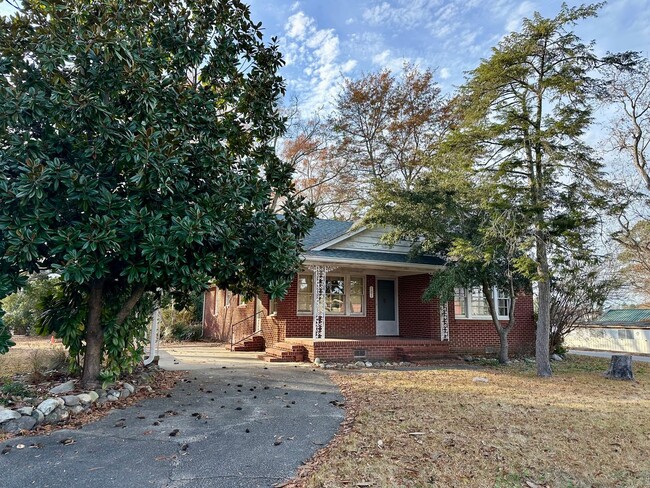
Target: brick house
356, 298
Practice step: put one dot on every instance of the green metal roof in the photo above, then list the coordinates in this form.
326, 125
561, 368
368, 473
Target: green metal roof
626, 316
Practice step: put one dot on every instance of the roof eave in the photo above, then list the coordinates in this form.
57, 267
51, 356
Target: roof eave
375, 264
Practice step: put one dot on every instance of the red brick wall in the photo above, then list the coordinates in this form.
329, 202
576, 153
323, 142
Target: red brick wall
218, 318
293, 325
385, 349
416, 317
480, 336
416, 320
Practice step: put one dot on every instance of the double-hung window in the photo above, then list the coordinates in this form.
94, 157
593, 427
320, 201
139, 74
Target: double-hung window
344, 294
470, 303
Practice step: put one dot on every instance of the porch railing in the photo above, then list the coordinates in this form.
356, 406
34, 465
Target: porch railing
244, 320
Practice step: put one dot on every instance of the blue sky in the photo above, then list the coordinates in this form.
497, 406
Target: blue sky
324, 40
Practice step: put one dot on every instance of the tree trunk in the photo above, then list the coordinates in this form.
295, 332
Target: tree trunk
620, 367
503, 344
94, 337
542, 358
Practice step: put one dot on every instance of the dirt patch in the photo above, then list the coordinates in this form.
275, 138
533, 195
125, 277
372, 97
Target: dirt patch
30, 354
446, 427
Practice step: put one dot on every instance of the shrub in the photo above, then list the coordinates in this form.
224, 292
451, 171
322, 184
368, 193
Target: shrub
24, 308
181, 331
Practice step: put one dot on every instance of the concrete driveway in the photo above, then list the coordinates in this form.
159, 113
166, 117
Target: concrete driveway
234, 422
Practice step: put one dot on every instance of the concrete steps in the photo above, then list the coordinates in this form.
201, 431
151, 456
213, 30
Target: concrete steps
254, 344
283, 352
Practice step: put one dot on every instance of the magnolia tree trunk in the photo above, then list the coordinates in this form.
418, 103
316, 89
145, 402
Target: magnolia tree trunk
94, 337
620, 367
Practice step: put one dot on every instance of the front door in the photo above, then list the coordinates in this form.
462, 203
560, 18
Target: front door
386, 308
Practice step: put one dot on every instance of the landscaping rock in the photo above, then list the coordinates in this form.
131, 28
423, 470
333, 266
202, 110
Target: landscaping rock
556, 357
368, 364
47, 406
469, 359
71, 400
480, 379
112, 398
38, 416
6, 415
77, 409
124, 393
129, 387
61, 413
63, 388
93, 396
114, 393
359, 364
317, 361
85, 398
25, 410
16, 425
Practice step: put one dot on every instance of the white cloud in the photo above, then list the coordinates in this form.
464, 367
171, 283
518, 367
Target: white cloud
317, 52
297, 25
407, 14
444, 73
382, 57
295, 6
524, 9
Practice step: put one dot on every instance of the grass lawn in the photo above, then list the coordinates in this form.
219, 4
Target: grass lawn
440, 428
30, 354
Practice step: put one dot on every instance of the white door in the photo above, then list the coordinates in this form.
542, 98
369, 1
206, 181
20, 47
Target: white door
387, 308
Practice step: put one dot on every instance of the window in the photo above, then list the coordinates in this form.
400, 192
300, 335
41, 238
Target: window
273, 306
344, 294
626, 334
335, 295
356, 294
479, 305
460, 302
228, 297
305, 293
503, 303
470, 303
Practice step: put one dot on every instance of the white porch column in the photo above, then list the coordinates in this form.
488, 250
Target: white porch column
444, 321
319, 284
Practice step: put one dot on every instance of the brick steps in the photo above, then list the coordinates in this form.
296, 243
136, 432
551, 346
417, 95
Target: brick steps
254, 344
283, 352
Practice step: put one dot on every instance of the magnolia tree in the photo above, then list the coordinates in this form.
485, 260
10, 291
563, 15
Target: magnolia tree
136, 143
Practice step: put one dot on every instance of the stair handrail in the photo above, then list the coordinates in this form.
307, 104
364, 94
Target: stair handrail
232, 329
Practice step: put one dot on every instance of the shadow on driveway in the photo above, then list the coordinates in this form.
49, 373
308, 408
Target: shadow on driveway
234, 421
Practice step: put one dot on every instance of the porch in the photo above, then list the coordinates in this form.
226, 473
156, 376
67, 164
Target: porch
370, 348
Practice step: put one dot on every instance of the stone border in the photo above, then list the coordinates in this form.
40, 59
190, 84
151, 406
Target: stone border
60, 405
362, 364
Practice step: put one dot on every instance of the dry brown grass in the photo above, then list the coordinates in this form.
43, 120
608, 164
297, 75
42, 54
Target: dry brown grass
440, 428
30, 355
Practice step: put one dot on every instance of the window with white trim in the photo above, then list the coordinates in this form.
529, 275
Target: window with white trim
273, 306
470, 303
305, 293
344, 294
